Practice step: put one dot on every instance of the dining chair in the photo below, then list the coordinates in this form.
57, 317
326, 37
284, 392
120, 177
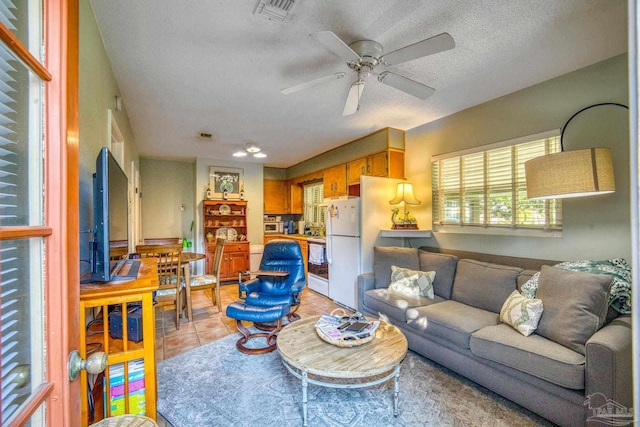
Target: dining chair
162, 241
208, 281
171, 286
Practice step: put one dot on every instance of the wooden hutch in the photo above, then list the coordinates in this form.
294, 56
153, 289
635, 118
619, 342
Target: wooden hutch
226, 219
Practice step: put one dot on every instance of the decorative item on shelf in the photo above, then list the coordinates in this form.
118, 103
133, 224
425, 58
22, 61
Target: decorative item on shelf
210, 237
404, 193
225, 194
208, 193
242, 192
577, 173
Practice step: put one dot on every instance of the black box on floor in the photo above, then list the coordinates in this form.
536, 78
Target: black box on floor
134, 325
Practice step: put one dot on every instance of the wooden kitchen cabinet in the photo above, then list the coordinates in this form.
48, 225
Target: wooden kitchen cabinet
275, 196
296, 199
388, 164
335, 181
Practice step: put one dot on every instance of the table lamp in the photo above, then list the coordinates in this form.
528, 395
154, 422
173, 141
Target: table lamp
404, 193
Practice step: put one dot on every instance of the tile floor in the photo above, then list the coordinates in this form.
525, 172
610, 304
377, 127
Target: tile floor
209, 324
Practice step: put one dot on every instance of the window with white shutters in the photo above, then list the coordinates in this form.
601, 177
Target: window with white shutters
486, 188
21, 208
313, 196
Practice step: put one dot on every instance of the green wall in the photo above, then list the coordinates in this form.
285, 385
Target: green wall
97, 92
167, 198
595, 227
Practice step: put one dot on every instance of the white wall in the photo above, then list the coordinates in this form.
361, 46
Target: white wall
594, 227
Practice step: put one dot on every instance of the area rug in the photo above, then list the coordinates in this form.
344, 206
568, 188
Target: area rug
216, 385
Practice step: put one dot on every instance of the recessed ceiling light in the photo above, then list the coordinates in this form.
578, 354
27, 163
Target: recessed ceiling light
260, 155
240, 153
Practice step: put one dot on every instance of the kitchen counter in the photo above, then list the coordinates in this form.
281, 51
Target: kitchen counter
300, 237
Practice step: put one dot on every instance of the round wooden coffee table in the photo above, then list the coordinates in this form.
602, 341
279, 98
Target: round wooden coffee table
317, 362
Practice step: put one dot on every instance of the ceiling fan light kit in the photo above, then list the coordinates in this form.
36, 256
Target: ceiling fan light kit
363, 56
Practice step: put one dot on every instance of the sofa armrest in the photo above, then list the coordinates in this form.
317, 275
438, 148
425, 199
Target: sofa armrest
366, 281
609, 362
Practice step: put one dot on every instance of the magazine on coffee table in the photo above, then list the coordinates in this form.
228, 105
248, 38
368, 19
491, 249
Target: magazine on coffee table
352, 327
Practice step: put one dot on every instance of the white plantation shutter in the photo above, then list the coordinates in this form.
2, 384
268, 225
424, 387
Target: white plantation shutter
313, 196
21, 205
487, 187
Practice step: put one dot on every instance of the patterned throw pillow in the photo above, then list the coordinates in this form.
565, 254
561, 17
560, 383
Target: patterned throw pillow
521, 313
618, 268
406, 286
423, 279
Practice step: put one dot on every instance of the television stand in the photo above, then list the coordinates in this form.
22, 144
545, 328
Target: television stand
127, 270
96, 301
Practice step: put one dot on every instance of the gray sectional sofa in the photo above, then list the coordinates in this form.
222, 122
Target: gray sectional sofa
460, 328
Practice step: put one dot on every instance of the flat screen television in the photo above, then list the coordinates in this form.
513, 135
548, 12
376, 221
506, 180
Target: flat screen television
110, 245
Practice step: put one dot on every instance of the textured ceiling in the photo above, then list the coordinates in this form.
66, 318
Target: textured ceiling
184, 67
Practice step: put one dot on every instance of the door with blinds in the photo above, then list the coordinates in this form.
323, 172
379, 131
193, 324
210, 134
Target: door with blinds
38, 211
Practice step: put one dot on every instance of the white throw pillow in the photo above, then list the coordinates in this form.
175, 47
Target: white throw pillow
521, 313
423, 279
406, 286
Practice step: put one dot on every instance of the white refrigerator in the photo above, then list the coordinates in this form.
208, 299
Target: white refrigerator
342, 226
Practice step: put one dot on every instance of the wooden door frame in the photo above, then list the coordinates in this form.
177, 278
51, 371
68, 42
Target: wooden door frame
62, 208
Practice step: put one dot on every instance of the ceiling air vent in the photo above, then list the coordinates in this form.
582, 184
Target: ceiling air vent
279, 10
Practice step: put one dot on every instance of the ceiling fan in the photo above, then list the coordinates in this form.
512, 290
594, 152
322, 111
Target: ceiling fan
364, 56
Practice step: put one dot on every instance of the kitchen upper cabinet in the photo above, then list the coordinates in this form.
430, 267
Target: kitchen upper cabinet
296, 199
388, 163
275, 196
335, 181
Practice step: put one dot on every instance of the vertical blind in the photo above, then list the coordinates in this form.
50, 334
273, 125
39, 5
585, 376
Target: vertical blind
313, 196
21, 204
487, 187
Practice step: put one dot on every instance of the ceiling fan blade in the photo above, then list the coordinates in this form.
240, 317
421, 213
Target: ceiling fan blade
353, 99
417, 50
306, 85
405, 84
332, 42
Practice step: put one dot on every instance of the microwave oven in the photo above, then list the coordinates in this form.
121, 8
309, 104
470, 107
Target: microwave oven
275, 227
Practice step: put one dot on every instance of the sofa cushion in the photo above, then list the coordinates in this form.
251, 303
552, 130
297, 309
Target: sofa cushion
534, 355
575, 305
521, 313
423, 280
483, 285
450, 320
618, 268
394, 305
445, 267
384, 257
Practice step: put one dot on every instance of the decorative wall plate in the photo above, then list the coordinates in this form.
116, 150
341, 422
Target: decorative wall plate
224, 210
226, 233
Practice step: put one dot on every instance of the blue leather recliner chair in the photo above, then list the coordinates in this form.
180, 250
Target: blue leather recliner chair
267, 290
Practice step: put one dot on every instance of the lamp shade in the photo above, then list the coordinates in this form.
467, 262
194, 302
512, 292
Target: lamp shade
404, 193
570, 174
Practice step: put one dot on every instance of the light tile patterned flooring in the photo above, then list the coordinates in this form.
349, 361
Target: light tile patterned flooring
209, 324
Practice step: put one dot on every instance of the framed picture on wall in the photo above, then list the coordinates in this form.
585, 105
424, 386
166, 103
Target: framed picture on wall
223, 178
